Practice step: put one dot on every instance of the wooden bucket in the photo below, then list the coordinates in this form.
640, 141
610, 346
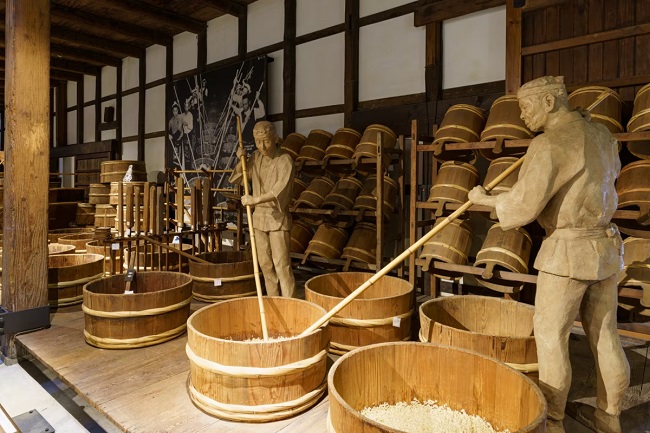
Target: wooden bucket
314, 147
66, 195
380, 314
342, 146
344, 194
633, 186
105, 215
603, 104
367, 148
256, 380
85, 214
640, 121
114, 171
292, 144
114, 196
362, 245
454, 181
98, 247
99, 193
636, 266
504, 123
67, 274
301, 234
508, 250
314, 196
54, 235
497, 167
328, 241
54, 249
367, 200
156, 311
499, 328
229, 275
449, 245
462, 123
299, 186
79, 241
461, 379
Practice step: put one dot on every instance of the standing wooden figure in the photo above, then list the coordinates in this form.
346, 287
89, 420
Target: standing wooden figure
271, 172
567, 184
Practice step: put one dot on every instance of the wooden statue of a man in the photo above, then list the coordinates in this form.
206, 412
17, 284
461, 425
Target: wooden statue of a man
567, 183
271, 171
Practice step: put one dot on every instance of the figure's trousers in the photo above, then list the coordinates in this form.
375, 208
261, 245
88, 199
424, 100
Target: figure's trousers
557, 303
275, 262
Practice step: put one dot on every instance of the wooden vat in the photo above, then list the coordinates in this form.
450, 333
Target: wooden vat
67, 274
314, 147
636, 266
367, 200
633, 186
344, 194
640, 121
328, 241
504, 123
301, 234
54, 249
256, 380
603, 104
362, 245
454, 181
342, 146
156, 311
299, 186
105, 215
99, 193
380, 314
449, 245
462, 379
113, 198
314, 196
367, 148
85, 214
508, 250
497, 167
230, 275
79, 241
462, 123
499, 328
98, 247
114, 171
54, 235
292, 144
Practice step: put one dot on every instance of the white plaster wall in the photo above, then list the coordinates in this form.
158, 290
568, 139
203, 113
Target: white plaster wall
130, 151
223, 37
67, 166
313, 15
265, 23
71, 93
109, 135
320, 72
154, 154
154, 114
72, 127
185, 52
156, 63
275, 83
89, 124
130, 115
130, 73
109, 80
474, 48
369, 7
330, 123
89, 87
391, 59
278, 128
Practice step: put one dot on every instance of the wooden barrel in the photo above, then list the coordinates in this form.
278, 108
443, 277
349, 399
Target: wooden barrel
504, 122
292, 144
301, 234
85, 214
367, 148
314, 196
114, 171
155, 311
79, 241
499, 328
105, 215
342, 146
314, 147
54, 249
449, 245
367, 200
391, 373
344, 194
67, 274
98, 247
114, 196
238, 376
328, 241
382, 313
99, 193
462, 123
636, 266
497, 167
507, 250
633, 185
362, 245
603, 104
454, 181
54, 235
640, 121
229, 275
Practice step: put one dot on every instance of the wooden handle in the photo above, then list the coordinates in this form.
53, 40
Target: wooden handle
128, 217
180, 205
153, 209
206, 201
145, 209
412, 249
120, 209
256, 271
136, 209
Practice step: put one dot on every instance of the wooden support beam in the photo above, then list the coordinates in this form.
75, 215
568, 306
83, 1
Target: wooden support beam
169, 83
513, 48
433, 62
73, 66
289, 70
351, 89
227, 7
80, 111
98, 106
202, 51
88, 56
118, 105
447, 9
141, 107
65, 75
243, 35
61, 113
68, 37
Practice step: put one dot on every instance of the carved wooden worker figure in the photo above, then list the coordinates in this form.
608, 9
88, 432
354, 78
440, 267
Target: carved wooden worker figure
567, 183
271, 172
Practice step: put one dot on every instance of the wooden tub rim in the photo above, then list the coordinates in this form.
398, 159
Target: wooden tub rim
395, 296
145, 294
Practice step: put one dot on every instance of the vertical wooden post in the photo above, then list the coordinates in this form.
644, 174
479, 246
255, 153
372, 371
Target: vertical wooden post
24, 263
169, 91
513, 48
61, 114
142, 78
80, 111
98, 105
289, 68
351, 89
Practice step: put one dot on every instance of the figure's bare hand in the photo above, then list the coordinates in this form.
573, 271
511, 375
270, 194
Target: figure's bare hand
478, 195
241, 152
248, 200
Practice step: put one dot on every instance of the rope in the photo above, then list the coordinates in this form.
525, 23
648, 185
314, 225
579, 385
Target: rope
132, 343
135, 313
208, 298
63, 284
342, 349
367, 323
223, 279
241, 371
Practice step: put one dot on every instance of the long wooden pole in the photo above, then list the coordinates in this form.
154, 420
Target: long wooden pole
176, 250
412, 249
251, 229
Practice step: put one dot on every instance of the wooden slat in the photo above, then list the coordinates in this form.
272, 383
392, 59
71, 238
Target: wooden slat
610, 48
580, 52
90, 56
391, 101
227, 7
539, 35
513, 48
389, 13
77, 39
74, 66
642, 43
552, 34
351, 86
595, 53
320, 111
566, 31
80, 111
142, 107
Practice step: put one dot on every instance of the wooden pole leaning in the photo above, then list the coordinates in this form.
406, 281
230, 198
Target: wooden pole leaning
412, 249
256, 270
176, 250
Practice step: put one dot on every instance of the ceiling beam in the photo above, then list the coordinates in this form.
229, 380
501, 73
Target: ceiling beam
227, 7
74, 38
73, 66
88, 56
65, 75
104, 23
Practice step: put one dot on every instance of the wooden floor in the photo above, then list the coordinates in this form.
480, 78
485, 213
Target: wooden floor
144, 390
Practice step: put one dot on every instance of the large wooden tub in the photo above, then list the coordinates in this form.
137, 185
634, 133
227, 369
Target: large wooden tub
79, 241
67, 274
256, 380
380, 314
229, 275
156, 311
400, 372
